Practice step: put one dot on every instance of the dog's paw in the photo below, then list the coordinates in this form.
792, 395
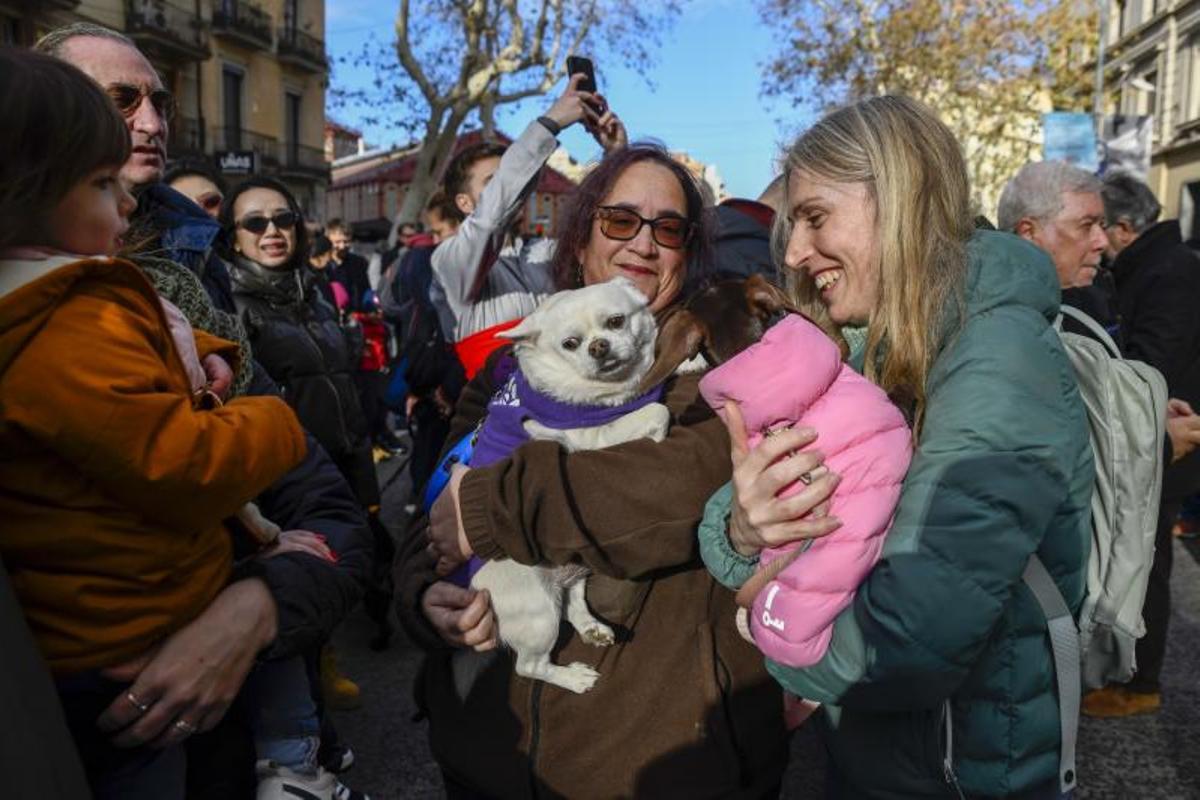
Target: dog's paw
577, 677
658, 421
598, 635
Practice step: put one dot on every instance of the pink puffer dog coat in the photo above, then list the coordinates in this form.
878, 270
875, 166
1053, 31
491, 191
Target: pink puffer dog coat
795, 376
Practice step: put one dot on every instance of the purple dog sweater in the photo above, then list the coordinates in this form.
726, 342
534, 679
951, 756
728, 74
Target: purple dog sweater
503, 430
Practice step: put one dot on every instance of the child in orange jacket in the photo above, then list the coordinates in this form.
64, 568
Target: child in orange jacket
115, 482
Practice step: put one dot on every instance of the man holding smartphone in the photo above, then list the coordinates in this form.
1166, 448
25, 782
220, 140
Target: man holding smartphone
484, 280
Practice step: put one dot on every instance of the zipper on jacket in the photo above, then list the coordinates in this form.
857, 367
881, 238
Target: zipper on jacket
948, 757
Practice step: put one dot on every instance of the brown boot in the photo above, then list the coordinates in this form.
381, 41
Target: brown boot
1113, 702
340, 692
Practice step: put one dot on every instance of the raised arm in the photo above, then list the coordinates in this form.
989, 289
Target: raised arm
458, 261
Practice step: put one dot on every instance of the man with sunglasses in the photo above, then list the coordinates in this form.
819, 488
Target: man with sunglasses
165, 220
485, 281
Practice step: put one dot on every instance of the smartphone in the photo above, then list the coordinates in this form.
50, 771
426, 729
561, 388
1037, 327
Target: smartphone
578, 64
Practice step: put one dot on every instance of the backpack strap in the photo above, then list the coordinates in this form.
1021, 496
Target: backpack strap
1093, 327
1064, 642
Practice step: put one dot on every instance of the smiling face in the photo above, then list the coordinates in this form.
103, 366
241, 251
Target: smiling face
834, 243
652, 191
112, 64
92, 217
273, 248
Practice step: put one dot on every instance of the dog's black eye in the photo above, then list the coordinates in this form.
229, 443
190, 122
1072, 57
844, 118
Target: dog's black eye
570, 343
615, 322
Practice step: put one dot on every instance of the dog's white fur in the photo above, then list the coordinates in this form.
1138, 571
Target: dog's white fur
613, 333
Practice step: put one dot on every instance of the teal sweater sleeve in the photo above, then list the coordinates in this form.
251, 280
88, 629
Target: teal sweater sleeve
730, 568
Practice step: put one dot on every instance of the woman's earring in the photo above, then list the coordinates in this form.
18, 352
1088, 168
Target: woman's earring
579, 274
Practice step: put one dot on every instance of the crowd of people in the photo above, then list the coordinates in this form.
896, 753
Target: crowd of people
197, 383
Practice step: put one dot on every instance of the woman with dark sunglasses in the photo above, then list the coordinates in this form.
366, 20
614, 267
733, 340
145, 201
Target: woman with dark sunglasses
294, 333
683, 706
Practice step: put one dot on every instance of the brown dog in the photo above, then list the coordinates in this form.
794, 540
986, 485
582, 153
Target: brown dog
718, 322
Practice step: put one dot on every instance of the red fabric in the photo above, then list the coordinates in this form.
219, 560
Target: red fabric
374, 354
474, 350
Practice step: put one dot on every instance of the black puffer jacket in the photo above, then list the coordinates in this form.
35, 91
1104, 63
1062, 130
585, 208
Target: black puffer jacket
297, 339
1158, 295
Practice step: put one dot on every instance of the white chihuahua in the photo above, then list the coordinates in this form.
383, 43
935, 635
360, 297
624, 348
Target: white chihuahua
585, 348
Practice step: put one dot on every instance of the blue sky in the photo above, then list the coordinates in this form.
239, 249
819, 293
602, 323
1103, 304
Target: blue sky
705, 101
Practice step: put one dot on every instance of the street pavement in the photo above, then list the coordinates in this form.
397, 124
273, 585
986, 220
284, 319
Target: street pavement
1143, 757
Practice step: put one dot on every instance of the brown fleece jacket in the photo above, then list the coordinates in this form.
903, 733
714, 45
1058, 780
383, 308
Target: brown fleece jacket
683, 707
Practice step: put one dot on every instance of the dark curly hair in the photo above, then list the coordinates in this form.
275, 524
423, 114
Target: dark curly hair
576, 227
299, 254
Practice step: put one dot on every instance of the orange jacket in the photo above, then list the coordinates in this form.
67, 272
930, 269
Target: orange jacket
112, 487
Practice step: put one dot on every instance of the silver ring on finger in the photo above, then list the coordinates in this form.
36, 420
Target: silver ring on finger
184, 727
141, 707
806, 478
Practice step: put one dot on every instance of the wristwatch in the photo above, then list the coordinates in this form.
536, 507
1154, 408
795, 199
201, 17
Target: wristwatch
550, 125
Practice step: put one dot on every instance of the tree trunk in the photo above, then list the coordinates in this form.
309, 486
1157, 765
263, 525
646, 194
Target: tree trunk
436, 148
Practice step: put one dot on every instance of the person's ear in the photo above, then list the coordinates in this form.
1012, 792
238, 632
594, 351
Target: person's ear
464, 202
1026, 228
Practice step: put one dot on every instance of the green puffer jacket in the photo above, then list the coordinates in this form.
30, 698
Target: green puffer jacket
1003, 469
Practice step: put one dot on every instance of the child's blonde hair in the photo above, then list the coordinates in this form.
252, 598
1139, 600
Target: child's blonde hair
59, 127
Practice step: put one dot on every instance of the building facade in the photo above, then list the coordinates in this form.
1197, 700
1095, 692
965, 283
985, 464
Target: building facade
368, 190
248, 77
1152, 67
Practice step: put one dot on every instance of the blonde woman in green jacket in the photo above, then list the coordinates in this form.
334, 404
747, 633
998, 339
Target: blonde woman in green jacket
878, 233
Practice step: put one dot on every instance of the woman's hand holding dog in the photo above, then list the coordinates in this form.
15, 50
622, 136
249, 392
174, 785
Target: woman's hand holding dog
760, 518
448, 544
462, 617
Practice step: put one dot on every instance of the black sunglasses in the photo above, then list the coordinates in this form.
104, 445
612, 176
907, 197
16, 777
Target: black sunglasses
622, 224
258, 224
127, 98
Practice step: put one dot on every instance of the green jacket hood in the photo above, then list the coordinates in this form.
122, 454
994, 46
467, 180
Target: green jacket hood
1004, 269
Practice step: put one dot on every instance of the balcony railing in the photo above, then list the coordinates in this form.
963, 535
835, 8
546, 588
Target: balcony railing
166, 30
300, 159
187, 138
302, 49
243, 22
265, 147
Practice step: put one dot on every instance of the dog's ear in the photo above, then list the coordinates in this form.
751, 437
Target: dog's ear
679, 339
766, 299
525, 329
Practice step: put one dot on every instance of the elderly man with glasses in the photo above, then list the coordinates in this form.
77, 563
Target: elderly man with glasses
484, 279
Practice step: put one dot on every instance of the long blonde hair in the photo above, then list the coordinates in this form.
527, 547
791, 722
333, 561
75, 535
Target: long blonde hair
913, 168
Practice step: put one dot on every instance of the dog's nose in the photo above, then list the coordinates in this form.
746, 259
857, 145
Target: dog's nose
598, 348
